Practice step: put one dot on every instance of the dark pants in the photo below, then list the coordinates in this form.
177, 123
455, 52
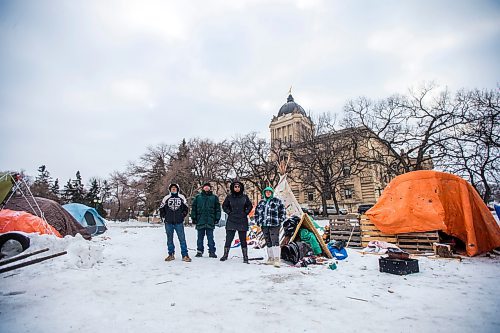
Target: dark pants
242, 235
271, 235
179, 229
210, 237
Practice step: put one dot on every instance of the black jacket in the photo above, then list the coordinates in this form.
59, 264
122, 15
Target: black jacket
237, 206
173, 208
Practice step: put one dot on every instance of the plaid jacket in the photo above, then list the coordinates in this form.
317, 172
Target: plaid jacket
270, 213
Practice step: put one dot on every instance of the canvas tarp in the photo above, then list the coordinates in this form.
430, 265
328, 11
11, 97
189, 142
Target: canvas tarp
53, 212
11, 220
285, 193
423, 201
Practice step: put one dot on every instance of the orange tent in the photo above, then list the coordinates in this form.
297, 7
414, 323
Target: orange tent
11, 220
423, 201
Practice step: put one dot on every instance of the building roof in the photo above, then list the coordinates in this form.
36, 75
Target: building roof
290, 107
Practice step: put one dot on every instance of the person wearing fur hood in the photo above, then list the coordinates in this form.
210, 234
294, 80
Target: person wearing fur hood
237, 206
173, 211
269, 215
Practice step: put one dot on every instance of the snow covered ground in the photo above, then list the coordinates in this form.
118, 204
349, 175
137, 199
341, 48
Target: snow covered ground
119, 282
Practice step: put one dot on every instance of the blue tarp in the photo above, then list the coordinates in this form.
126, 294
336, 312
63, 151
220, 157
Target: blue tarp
88, 217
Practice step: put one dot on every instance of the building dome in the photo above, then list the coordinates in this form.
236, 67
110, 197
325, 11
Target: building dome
290, 107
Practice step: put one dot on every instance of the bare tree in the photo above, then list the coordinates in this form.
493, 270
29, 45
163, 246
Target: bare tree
325, 159
121, 192
474, 150
407, 129
251, 161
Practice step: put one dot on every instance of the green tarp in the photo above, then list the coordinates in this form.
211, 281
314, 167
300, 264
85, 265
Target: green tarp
310, 238
6, 183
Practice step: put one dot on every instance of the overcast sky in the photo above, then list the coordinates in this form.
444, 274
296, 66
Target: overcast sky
88, 85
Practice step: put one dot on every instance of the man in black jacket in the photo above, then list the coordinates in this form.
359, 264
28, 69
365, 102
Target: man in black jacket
173, 210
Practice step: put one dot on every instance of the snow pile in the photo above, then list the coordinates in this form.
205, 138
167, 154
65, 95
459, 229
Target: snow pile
129, 287
80, 252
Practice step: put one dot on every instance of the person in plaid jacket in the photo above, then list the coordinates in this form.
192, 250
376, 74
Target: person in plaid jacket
269, 215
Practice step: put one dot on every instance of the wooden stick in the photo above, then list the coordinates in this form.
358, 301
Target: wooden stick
350, 236
31, 262
22, 256
358, 299
164, 282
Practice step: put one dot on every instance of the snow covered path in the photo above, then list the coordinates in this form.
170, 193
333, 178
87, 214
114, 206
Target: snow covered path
132, 289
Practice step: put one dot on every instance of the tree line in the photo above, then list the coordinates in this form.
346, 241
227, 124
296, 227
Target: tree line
427, 127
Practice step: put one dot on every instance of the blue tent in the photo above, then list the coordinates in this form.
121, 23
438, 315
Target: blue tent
88, 217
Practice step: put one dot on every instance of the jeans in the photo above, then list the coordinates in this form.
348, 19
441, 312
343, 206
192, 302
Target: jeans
179, 229
210, 237
242, 235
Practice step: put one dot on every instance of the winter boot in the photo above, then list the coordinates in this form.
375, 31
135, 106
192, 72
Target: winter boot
186, 259
270, 256
170, 257
226, 253
245, 254
199, 254
212, 255
277, 255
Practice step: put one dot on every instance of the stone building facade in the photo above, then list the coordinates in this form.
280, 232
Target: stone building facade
363, 188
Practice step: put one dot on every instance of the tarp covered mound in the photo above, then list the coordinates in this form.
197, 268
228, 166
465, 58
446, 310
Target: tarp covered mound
55, 215
11, 220
423, 201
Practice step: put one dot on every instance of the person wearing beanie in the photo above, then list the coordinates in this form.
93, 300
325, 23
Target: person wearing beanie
269, 215
205, 213
173, 211
237, 206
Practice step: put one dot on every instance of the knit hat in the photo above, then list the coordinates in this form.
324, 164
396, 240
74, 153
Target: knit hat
207, 184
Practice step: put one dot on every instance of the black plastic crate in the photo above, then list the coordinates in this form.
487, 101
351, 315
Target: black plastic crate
398, 266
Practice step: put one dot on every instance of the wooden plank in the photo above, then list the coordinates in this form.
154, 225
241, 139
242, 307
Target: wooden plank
385, 239
345, 229
421, 247
369, 227
346, 232
376, 233
21, 256
31, 262
424, 237
353, 239
345, 236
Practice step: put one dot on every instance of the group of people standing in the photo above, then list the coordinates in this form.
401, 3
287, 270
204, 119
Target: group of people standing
206, 213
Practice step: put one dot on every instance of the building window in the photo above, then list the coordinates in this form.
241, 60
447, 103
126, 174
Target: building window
346, 170
348, 192
310, 196
290, 138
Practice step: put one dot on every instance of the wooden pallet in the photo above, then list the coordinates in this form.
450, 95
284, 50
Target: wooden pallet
417, 241
346, 227
369, 232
